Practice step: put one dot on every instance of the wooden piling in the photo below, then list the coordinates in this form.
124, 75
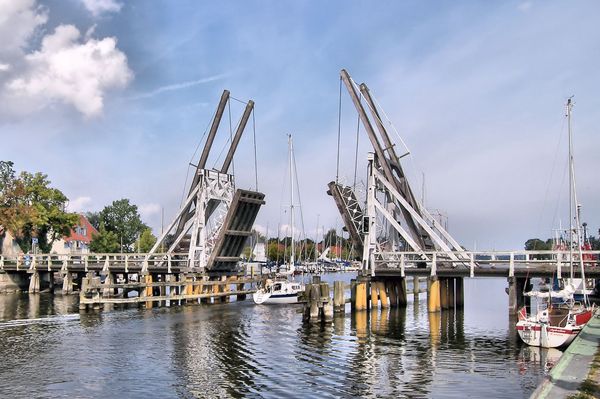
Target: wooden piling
374, 303
326, 304
460, 293
433, 294
225, 287
361, 295
315, 294
339, 302
352, 295
443, 293
451, 293
401, 290
148, 291
383, 297
390, 286
416, 286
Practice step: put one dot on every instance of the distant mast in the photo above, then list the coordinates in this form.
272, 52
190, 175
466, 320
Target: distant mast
291, 154
571, 190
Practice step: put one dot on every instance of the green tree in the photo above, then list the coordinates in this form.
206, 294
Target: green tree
247, 252
146, 241
30, 208
94, 219
123, 219
105, 241
535, 244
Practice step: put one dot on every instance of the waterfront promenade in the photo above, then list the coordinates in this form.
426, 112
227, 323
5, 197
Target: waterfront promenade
575, 366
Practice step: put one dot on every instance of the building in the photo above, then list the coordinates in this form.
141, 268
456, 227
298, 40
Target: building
78, 241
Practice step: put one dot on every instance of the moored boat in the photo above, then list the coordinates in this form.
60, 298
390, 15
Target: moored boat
281, 290
556, 325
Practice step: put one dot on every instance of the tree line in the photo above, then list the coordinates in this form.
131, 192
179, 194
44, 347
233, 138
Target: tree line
31, 210
279, 249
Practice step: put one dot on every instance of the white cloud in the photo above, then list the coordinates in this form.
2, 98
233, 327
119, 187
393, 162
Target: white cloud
4, 67
18, 21
98, 7
68, 70
79, 204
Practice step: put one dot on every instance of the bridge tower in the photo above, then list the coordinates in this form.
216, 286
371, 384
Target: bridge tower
392, 220
215, 219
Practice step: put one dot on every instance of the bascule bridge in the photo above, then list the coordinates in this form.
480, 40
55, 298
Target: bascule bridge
399, 238
195, 258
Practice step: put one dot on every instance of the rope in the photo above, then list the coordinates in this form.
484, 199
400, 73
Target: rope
337, 171
299, 199
356, 150
255, 159
556, 152
183, 196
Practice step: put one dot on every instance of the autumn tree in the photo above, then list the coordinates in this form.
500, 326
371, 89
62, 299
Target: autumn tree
30, 208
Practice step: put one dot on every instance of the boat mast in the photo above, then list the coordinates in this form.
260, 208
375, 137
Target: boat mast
316, 239
291, 150
573, 199
569, 107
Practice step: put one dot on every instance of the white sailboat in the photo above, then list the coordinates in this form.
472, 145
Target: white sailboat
282, 290
553, 326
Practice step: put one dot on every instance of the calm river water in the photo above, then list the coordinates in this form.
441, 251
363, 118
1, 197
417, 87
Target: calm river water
47, 349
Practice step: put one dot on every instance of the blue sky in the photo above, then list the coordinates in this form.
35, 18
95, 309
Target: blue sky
476, 90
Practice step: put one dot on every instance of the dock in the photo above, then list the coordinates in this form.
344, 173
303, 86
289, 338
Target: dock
577, 373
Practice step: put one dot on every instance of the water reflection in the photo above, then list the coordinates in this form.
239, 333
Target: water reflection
241, 350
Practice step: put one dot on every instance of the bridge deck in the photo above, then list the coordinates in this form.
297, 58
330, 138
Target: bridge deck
236, 229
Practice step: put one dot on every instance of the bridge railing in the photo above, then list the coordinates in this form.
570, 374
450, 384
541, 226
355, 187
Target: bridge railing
106, 262
473, 260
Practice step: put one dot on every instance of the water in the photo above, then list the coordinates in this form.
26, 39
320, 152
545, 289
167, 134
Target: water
240, 350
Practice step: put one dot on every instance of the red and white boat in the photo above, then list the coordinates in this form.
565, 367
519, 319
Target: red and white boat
552, 325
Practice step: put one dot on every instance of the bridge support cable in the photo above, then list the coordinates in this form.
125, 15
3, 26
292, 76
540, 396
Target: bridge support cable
381, 160
391, 197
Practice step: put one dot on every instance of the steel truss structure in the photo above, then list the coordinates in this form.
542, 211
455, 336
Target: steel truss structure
198, 226
394, 221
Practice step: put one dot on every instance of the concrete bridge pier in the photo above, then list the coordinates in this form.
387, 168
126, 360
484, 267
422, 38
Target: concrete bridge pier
34, 282
109, 280
14, 282
67, 287
40, 281
516, 287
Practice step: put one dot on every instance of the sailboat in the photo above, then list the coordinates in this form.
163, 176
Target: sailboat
281, 289
553, 326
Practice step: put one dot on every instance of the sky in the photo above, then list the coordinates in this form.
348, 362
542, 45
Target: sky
111, 100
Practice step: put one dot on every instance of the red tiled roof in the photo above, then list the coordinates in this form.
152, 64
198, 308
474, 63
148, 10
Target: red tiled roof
76, 233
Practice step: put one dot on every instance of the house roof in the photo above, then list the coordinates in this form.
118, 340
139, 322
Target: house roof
76, 233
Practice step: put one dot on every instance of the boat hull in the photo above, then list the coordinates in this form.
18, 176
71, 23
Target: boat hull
274, 299
546, 336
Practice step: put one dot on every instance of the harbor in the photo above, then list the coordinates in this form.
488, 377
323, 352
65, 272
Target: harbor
298, 201
238, 348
